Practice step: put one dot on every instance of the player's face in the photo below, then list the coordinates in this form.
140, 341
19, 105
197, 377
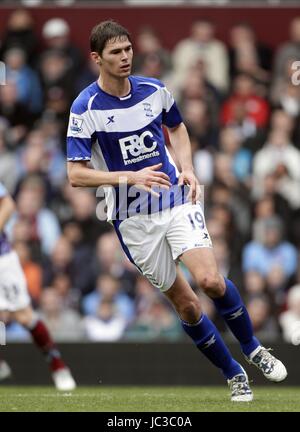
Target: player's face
116, 59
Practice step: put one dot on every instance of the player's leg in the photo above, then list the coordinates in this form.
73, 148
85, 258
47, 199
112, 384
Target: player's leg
145, 244
40, 334
189, 240
14, 297
202, 265
226, 297
206, 336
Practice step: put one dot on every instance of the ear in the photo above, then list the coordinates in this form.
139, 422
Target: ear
96, 57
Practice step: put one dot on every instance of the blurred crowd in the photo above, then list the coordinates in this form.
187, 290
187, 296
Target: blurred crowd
242, 111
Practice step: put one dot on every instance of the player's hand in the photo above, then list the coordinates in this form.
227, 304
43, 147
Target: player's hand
149, 177
188, 178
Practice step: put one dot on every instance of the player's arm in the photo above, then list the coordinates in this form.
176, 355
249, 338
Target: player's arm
7, 207
80, 174
180, 142
79, 151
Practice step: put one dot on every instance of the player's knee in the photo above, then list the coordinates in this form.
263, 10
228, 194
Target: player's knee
212, 285
190, 310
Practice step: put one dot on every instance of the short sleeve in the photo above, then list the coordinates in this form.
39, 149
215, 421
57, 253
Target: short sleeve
171, 116
79, 136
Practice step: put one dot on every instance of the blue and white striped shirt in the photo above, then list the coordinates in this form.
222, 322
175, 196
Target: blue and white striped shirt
124, 134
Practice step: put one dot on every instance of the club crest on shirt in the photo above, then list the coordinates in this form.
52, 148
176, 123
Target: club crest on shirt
148, 109
76, 125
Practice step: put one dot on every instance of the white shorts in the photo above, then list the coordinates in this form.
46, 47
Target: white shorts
154, 242
13, 287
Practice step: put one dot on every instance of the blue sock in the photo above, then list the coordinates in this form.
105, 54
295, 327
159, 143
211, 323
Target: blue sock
209, 341
234, 312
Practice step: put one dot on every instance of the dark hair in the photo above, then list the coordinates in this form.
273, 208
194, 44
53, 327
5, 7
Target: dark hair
104, 32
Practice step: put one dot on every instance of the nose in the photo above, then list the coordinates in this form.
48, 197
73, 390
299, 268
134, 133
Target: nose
124, 55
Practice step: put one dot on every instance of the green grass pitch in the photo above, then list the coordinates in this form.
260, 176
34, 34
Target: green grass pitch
145, 399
